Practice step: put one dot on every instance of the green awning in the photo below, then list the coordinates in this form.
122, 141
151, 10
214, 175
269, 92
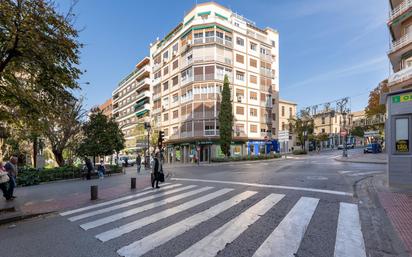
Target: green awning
406, 55
223, 28
140, 103
402, 17
187, 22
141, 113
186, 33
204, 27
221, 16
203, 13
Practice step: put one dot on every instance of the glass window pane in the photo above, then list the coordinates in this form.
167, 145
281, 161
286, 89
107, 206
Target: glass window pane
402, 135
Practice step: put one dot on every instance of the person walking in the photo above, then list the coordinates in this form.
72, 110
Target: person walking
101, 169
138, 162
89, 167
4, 181
11, 169
156, 171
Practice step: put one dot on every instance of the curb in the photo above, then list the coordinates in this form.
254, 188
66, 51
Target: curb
20, 217
360, 161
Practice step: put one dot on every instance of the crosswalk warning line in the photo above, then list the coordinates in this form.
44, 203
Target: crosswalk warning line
138, 248
284, 241
116, 200
349, 238
130, 203
113, 233
217, 240
140, 209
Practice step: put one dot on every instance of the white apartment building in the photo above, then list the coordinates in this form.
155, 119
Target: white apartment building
188, 68
131, 104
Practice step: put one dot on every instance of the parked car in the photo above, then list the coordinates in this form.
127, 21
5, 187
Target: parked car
340, 147
348, 146
130, 161
372, 148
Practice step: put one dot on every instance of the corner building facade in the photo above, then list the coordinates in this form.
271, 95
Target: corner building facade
188, 68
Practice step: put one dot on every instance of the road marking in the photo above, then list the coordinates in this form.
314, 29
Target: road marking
130, 203
140, 209
148, 243
342, 172
217, 240
349, 239
365, 173
116, 200
267, 186
285, 239
116, 232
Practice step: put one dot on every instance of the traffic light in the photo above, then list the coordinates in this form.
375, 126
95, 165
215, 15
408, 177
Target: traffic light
161, 139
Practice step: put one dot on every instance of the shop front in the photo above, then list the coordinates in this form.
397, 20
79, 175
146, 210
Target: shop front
262, 147
398, 137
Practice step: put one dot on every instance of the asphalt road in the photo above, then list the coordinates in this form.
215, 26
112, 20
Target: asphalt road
302, 206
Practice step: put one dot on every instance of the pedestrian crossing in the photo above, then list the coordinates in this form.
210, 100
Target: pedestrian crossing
117, 219
354, 173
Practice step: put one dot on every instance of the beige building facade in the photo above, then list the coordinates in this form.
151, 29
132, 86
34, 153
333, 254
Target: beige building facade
287, 112
188, 68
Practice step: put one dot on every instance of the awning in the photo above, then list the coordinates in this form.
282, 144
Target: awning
223, 28
188, 21
203, 13
204, 27
221, 16
141, 113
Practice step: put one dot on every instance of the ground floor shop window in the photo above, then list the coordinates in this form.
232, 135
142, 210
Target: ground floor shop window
402, 135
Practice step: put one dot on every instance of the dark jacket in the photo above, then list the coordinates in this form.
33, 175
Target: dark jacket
156, 165
138, 160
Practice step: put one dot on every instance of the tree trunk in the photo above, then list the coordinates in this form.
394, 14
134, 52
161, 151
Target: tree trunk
58, 155
35, 152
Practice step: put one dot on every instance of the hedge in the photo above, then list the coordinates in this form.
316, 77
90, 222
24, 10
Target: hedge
247, 158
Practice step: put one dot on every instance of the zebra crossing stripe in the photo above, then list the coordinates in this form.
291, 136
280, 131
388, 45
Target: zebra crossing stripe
146, 207
130, 203
116, 200
284, 241
217, 240
116, 232
349, 239
345, 171
365, 173
148, 243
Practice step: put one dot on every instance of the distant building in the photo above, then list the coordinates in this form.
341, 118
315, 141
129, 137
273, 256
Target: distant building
331, 123
107, 108
287, 112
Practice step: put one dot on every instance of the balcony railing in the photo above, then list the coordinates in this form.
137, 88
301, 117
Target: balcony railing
266, 57
186, 80
403, 41
266, 72
400, 9
203, 40
157, 80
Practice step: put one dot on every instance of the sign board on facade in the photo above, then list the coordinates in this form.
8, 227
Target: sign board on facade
402, 146
373, 133
402, 98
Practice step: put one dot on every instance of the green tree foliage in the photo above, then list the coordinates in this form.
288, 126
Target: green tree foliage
302, 123
374, 107
322, 137
39, 54
101, 136
358, 132
225, 118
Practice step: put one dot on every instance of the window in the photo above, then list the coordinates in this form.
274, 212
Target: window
273, 43
198, 35
166, 55
157, 74
283, 126
166, 130
219, 34
274, 116
175, 98
253, 46
253, 96
240, 128
175, 48
166, 70
175, 80
175, 64
165, 116
253, 128
175, 114
283, 111
175, 130
240, 41
323, 130
240, 58
402, 135
240, 92
264, 51
210, 34
253, 79
253, 112
290, 112
240, 110
323, 120
273, 101
240, 75
228, 38
166, 86
253, 63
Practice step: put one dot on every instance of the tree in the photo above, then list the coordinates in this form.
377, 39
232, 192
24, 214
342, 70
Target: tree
374, 107
301, 124
101, 136
358, 132
225, 118
62, 129
39, 54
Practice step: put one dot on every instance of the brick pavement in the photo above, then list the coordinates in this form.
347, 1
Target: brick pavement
398, 207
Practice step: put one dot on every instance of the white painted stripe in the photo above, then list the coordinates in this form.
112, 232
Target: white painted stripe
116, 232
267, 186
349, 239
285, 239
217, 240
345, 171
365, 173
130, 203
162, 236
116, 200
140, 209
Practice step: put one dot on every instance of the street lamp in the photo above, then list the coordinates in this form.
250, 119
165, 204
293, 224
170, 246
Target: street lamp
345, 149
148, 127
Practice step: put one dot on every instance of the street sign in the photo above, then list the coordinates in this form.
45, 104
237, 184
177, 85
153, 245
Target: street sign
283, 135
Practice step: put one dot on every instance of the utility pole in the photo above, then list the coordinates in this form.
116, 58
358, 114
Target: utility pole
345, 150
147, 127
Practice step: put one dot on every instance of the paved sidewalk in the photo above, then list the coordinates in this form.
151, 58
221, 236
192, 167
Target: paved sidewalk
380, 158
61, 195
398, 207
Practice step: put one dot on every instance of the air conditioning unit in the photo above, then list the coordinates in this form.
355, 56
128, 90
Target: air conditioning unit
239, 99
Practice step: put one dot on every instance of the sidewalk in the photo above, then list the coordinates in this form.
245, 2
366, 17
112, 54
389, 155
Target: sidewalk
380, 158
61, 195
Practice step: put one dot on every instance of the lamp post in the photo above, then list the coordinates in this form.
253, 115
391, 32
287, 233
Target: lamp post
345, 150
148, 127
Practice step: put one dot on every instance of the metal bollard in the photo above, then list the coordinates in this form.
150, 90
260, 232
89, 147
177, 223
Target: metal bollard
93, 192
133, 183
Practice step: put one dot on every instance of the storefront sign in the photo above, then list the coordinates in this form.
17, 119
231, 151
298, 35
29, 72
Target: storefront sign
205, 143
402, 98
402, 146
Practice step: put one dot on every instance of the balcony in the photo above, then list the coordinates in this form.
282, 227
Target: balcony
142, 95
157, 80
399, 10
400, 76
403, 41
186, 80
207, 40
265, 72
143, 82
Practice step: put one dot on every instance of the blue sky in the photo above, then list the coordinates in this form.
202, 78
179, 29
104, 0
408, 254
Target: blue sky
328, 48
